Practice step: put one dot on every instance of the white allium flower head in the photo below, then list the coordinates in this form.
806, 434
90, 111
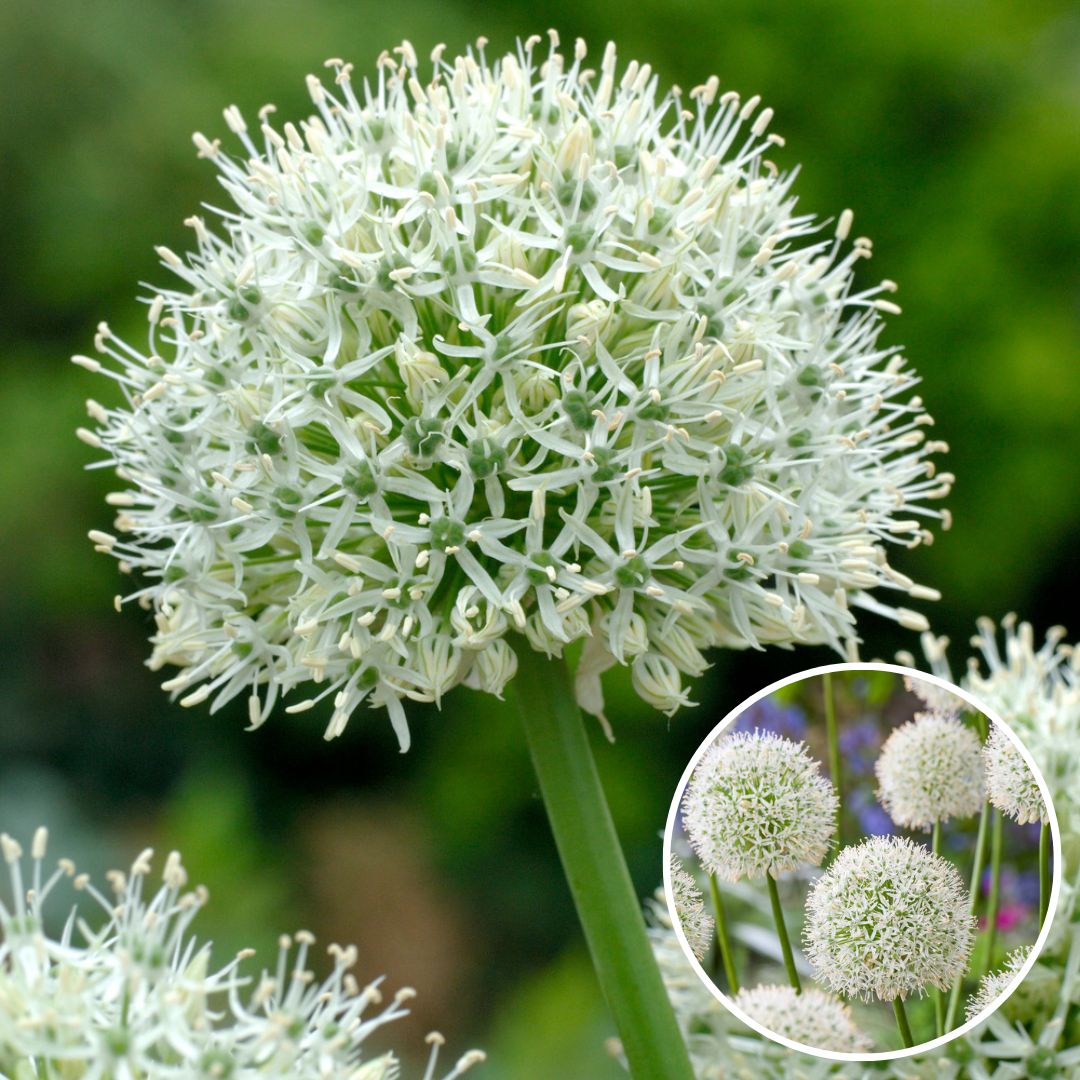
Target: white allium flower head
125, 990
493, 345
1010, 784
930, 769
994, 984
757, 804
696, 919
887, 919
812, 1017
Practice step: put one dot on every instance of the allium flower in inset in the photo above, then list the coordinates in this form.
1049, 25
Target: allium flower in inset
812, 1017
930, 769
997, 982
695, 918
757, 804
935, 698
132, 993
887, 919
1010, 784
506, 345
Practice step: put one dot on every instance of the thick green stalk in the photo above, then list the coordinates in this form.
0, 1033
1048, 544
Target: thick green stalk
976, 882
902, 1021
596, 872
781, 930
1044, 870
723, 945
834, 753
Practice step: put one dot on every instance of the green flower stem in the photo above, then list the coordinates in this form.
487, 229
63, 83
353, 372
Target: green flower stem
902, 1021
834, 753
996, 830
976, 880
936, 995
723, 945
596, 872
781, 930
1044, 870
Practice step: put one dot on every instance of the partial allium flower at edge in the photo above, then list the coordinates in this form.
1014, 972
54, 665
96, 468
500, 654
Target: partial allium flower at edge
993, 985
1010, 784
506, 346
131, 993
930, 769
696, 919
757, 804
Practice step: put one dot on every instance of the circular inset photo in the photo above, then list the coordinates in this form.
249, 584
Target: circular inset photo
861, 861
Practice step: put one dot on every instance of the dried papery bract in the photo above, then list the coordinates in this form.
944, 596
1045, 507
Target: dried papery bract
126, 990
1010, 784
812, 1018
887, 919
758, 805
697, 923
506, 345
930, 770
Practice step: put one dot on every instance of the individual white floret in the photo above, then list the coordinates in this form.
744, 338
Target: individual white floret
757, 804
696, 919
494, 345
812, 1017
929, 770
124, 990
887, 919
1010, 784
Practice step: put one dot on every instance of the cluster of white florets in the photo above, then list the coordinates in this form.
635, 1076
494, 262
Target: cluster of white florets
1010, 784
511, 345
132, 994
887, 919
929, 770
811, 1017
757, 804
694, 917
994, 984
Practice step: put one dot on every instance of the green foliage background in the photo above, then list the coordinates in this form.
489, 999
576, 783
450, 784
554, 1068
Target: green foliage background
952, 128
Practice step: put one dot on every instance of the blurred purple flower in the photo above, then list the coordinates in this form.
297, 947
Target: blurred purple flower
859, 744
788, 721
873, 820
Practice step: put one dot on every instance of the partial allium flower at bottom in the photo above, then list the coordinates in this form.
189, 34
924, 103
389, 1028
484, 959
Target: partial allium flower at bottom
887, 919
125, 991
495, 344
993, 985
930, 769
1010, 784
695, 918
812, 1017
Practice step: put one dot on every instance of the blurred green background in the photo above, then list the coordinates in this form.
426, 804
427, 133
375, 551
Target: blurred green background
952, 128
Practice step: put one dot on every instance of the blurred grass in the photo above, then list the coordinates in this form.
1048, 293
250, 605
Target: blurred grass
953, 129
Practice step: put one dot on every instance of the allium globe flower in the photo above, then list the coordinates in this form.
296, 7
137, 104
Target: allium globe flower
811, 1017
131, 993
993, 985
757, 804
695, 918
1010, 784
511, 345
930, 769
887, 919
935, 698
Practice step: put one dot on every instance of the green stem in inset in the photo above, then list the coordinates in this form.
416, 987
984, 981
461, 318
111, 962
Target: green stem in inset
834, 752
902, 1021
781, 930
1044, 870
723, 945
996, 831
596, 872
975, 887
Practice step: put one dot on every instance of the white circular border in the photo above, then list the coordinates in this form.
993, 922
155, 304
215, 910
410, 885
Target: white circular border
978, 706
